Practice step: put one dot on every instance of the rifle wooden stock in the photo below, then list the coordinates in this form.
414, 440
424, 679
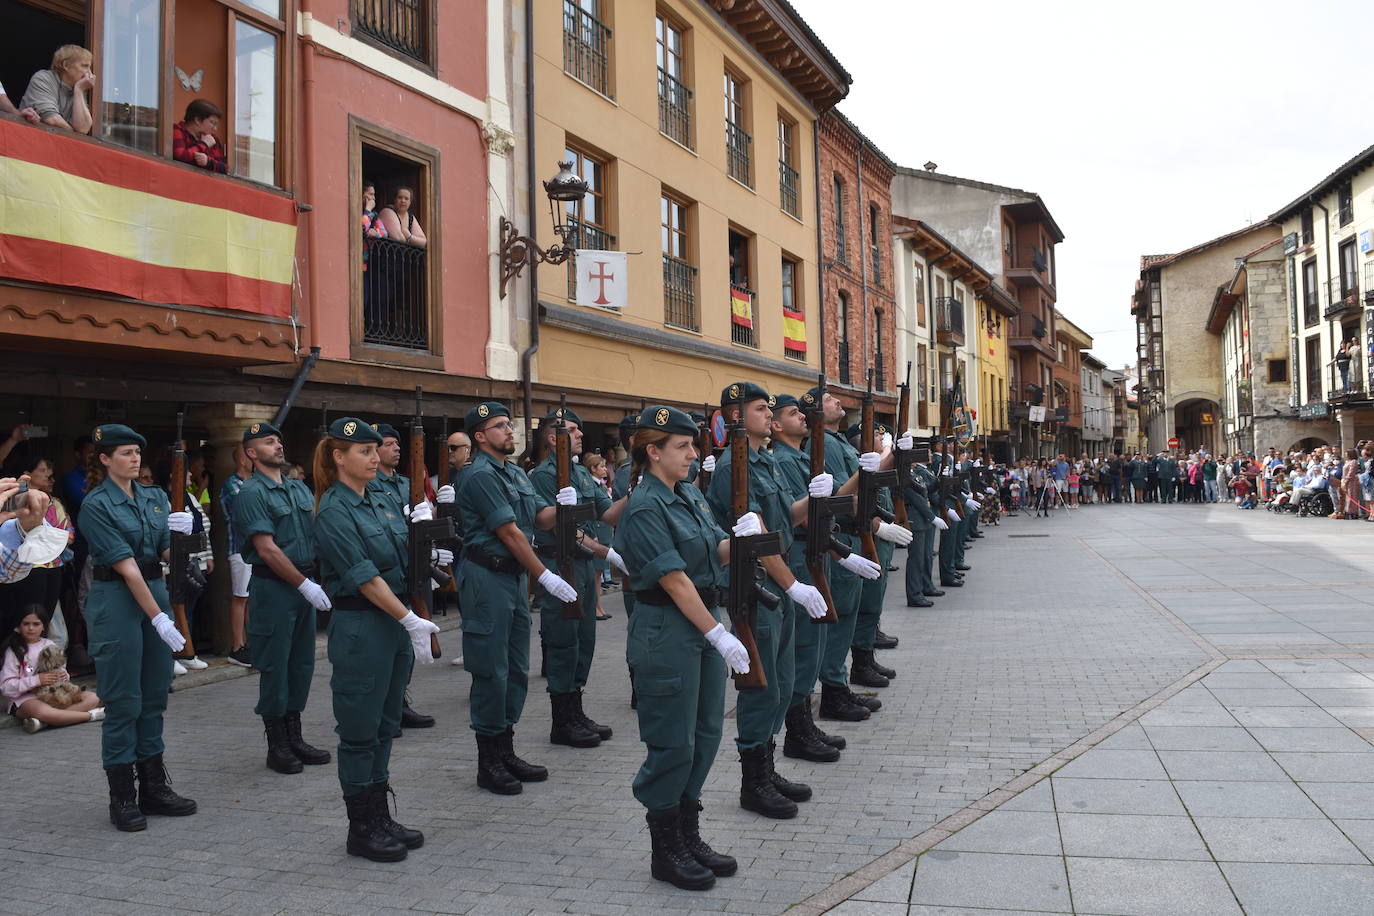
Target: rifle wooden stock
870, 481
182, 546
424, 534
903, 460
567, 517
745, 590
820, 512
705, 448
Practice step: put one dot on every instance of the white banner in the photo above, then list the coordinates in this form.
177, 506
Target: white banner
1037, 414
602, 279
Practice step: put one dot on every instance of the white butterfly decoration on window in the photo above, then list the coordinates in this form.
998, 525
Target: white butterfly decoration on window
191, 82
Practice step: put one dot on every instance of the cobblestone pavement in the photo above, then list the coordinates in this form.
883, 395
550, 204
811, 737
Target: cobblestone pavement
1055, 637
1246, 787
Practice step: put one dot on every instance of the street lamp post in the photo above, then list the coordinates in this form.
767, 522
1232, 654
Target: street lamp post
518, 250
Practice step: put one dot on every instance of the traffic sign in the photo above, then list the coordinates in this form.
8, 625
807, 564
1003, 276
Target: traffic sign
718, 429
1173, 442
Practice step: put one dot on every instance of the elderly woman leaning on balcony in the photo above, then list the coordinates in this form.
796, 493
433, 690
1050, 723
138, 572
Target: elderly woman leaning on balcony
58, 94
400, 222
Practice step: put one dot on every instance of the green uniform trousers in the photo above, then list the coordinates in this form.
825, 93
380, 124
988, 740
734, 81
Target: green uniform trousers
919, 555
846, 590
133, 669
809, 637
496, 646
570, 644
760, 712
680, 680
948, 538
871, 595
281, 639
962, 529
371, 657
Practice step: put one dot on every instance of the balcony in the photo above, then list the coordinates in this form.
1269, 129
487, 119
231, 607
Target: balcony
1311, 308
1028, 332
1351, 388
395, 295
737, 146
674, 109
397, 25
1345, 213
585, 236
1030, 266
949, 321
744, 317
1343, 297
586, 48
680, 295
787, 189
1369, 284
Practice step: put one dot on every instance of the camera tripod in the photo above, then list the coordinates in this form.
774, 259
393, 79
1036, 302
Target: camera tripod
1048, 498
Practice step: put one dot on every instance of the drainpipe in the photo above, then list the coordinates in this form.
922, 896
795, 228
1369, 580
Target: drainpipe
527, 355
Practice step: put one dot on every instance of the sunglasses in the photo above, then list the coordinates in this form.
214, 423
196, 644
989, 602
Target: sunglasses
454, 448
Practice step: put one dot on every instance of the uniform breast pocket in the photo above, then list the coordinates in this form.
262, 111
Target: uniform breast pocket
302, 500
377, 542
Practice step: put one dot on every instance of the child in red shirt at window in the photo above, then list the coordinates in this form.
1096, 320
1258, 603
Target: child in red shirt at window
194, 140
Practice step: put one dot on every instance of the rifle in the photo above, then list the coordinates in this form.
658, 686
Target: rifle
705, 447
183, 545
871, 481
423, 535
821, 512
447, 510
568, 518
903, 457
949, 486
746, 591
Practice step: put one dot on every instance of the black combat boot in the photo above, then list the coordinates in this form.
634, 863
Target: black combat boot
520, 769
756, 790
124, 813
381, 809
836, 703
872, 704
883, 641
801, 742
862, 673
721, 865
671, 860
566, 729
879, 667
796, 791
492, 774
308, 755
366, 835
412, 719
601, 731
155, 794
280, 757
835, 741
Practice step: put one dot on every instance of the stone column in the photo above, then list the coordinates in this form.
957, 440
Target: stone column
1345, 420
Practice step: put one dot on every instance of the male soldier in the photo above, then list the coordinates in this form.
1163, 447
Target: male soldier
500, 511
620, 488
922, 497
275, 517
570, 644
1168, 473
949, 537
805, 741
759, 713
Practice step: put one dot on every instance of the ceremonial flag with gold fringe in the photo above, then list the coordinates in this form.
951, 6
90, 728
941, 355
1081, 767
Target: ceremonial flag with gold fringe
741, 308
961, 419
794, 330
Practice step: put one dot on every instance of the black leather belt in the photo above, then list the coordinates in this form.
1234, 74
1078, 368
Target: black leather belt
151, 570
711, 597
264, 571
507, 565
359, 603
550, 552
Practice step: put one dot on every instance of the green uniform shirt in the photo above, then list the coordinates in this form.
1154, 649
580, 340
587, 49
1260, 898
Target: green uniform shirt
493, 494
357, 538
841, 463
620, 484
545, 480
666, 530
285, 510
795, 467
919, 491
118, 527
395, 490
767, 496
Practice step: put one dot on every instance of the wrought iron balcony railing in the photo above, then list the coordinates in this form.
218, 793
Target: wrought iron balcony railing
680, 295
744, 330
737, 153
787, 188
1343, 294
401, 25
843, 352
674, 109
395, 295
586, 47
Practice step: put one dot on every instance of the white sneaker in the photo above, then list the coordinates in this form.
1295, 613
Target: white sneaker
98, 714
177, 669
33, 725
193, 663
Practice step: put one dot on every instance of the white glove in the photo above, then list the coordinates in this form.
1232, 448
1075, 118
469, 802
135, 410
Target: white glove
869, 461
952, 516
821, 485
990, 491
940, 523
617, 562
861, 566
730, 649
972, 505
886, 444
747, 525
893, 534
168, 631
557, 586
180, 522
708, 464
421, 513
809, 597
566, 496
310, 590
419, 630
441, 557
906, 442
445, 494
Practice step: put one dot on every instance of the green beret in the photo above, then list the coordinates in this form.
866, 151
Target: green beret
261, 431
668, 419
111, 434
566, 414
386, 431
741, 393
351, 429
484, 412
857, 430
779, 401
697, 417
630, 422
812, 399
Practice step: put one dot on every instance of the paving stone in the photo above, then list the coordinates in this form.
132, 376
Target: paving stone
1327, 767
1128, 887
1026, 832
1131, 836
1266, 839
1115, 796
892, 888
1115, 764
1311, 739
1342, 799
1272, 889
1214, 715
1284, 717
1199, 738
982, 879
1246, 799
1037, 798
1221, 765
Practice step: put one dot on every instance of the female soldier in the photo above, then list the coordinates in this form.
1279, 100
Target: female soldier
677, 647
363, 560
132, 637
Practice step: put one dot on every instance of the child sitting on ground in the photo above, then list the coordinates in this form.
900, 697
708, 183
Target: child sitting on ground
19, 677
1245, 495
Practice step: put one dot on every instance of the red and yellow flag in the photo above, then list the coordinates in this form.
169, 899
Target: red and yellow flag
741, 308
794, 330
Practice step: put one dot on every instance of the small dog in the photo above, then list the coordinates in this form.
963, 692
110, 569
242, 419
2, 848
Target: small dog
58, 696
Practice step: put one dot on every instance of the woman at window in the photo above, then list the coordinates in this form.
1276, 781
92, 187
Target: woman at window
193, 138
58, 94
1342, 361
400, 222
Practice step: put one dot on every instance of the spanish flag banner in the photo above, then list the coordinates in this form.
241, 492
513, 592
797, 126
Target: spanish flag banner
794, 330
84, 214
741, 308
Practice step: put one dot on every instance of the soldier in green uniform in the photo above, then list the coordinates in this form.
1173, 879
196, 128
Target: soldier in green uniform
922, 503
275, 515
942, 466
677, 646
1167, 469
570, 644
500, 510
620, 488
374, 638
760, 713
128, 527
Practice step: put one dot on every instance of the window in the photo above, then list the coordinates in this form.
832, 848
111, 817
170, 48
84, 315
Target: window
939, 288
1310, 309
1345, 205
841, 250
255, 103
737, 138
1313, 365
1349, 272
792, 310
679, 276
879, 375
1278, 372
586, 44
401, 27
674, 98
130, 69
875, 242
587, 218
1306, 238
842, 334
787, 168
922, 391
743, 313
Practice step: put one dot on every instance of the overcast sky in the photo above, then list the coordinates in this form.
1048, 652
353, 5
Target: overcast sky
1146, 128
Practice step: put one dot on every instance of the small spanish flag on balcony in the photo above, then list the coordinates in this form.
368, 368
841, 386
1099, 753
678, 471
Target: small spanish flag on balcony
794, 330
741, 308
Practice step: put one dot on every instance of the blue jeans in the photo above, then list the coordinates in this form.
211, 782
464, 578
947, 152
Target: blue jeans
1209, 491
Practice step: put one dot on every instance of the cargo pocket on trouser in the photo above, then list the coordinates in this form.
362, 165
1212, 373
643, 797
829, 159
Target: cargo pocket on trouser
260, 629
479, 658
664, 717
